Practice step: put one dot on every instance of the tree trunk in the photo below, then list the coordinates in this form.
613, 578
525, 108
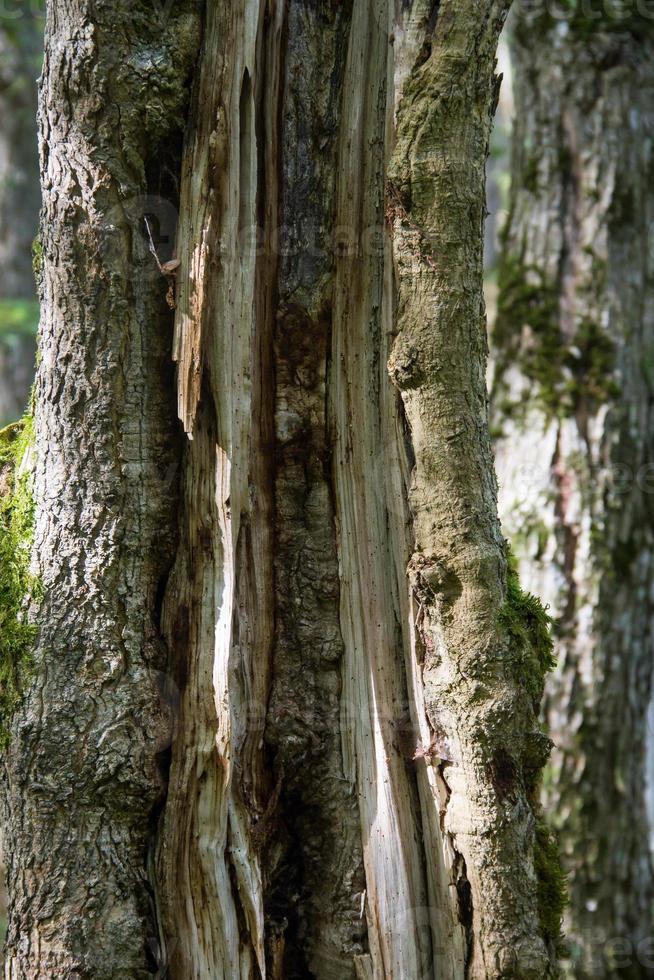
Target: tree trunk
572, 412
352, 774
83, 771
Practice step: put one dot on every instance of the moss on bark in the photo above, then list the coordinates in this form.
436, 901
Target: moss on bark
530, 630
16, 580
529, 626
552, 881
565, 372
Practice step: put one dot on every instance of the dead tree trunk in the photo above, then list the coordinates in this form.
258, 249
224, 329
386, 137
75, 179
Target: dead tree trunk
344, 668
351, 785
572, 411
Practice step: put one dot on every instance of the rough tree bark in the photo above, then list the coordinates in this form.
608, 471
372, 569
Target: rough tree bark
352, 773
83, 775
572, 411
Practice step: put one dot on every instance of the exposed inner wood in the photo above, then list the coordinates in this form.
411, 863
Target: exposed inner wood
311, 747
308, 573
218, 610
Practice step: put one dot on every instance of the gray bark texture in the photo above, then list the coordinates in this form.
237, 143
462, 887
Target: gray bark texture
83, 773
320, 603
572, 416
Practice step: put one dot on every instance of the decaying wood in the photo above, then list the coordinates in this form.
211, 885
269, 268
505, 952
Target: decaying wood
339, 677
319, 333
410, 906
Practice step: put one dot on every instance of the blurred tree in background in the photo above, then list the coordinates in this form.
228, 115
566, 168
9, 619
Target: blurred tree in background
21, 54
572, 413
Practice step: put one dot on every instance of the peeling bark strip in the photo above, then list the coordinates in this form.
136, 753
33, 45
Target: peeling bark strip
218, 611
572, 409
308, 830
82, 775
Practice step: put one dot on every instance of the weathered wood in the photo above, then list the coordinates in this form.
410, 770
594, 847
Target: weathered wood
346, 777
409, 902
415, 880
218, 609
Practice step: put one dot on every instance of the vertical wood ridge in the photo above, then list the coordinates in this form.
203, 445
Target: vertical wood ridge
409, 911
218, 606
315, 853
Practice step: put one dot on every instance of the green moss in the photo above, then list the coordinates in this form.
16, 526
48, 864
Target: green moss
564, 375
533, 530
531, 648
585, 19
591, 369
552, 882
16, 581
528, 301
529, 628
530, 175
615, 560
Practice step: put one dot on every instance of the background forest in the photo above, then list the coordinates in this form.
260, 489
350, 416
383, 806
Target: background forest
569, 259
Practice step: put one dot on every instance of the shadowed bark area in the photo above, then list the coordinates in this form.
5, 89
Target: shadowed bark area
572, 415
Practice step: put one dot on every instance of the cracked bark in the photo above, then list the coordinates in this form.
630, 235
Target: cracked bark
333, 808
572, 403
82, 777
